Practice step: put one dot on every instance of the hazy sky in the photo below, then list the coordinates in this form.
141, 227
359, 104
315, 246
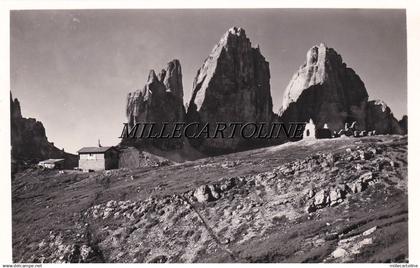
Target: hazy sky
72, 69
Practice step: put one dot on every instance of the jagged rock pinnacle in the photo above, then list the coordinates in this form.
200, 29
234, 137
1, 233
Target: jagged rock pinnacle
232, 84
160, 100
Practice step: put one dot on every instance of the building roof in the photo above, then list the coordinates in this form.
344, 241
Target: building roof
51, 161
96, 150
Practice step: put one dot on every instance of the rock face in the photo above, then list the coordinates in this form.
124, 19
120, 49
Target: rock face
380, 118
327, 91
233, 85
15, 112
29, 141
403, 123
160, 100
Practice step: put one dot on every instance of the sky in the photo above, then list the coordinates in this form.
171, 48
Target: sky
72, 69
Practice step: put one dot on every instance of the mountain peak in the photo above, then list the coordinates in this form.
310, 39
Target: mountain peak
160, 100
325, 89
15, 110
318, 54
238, 31
231, 38
233, 84
172, 78
322, 65
152, 77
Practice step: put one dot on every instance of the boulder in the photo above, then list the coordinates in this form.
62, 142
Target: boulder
366, 177
322, 199
227, 184
357, 186
205, 193
337, 195
215, 192
310, 193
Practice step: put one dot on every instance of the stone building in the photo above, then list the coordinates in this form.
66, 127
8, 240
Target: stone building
52, 164
309, 132
323, 133
98, 158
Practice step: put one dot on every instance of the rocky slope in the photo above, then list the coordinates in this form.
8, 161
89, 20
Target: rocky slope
29, 141
160, 100
233, 85
327, 91
339, 200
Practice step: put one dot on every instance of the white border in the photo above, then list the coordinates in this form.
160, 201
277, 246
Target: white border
413, 43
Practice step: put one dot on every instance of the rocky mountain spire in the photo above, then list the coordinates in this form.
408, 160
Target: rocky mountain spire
171, 77
160, 100
233, 84
15, 111
325, 89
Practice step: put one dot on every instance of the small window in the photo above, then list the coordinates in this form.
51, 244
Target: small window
307, 132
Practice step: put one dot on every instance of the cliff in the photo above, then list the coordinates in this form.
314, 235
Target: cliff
233, 85
328, 91
29, 141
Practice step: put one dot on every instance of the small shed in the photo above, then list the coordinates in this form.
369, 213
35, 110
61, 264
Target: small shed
98, 158
323, 133
52, 163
